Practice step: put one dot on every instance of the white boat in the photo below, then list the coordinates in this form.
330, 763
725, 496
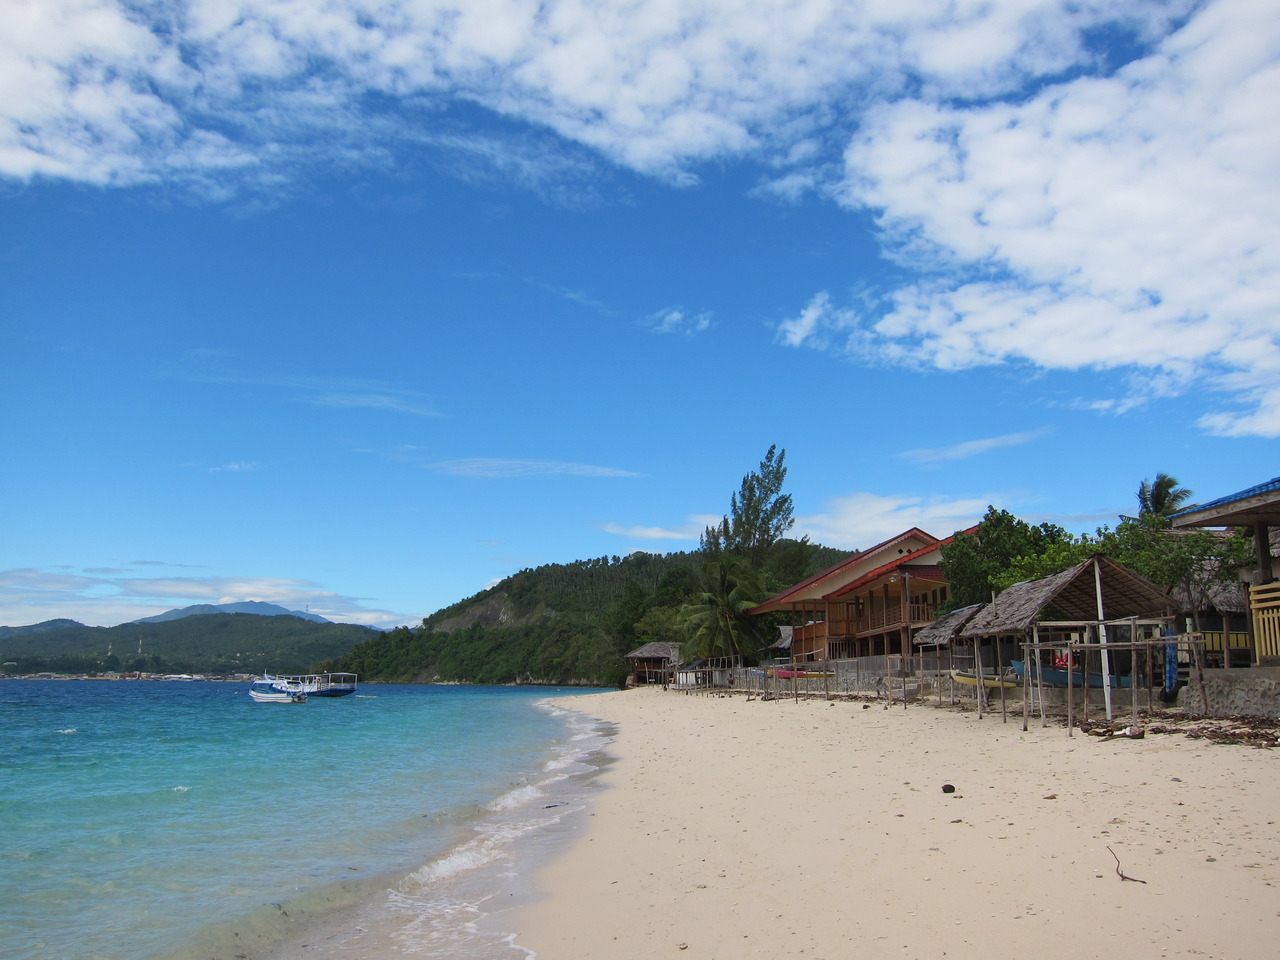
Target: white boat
323, 684
277, 690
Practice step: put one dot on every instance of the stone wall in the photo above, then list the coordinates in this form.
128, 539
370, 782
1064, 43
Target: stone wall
1253, 693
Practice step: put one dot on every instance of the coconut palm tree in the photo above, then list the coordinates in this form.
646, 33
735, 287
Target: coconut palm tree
1161, 497
717, 618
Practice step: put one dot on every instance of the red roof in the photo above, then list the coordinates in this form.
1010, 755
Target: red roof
787, 596
928, 571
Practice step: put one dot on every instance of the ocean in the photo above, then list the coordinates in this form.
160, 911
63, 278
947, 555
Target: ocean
181, 820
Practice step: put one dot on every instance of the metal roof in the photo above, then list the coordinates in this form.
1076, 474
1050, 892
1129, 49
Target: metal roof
1258, 504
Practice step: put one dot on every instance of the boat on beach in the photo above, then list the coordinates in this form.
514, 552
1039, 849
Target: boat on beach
971, 679
1058, 677
323, 684
787, 674
277, 690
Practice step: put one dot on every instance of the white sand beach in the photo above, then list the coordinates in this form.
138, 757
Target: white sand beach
821, 831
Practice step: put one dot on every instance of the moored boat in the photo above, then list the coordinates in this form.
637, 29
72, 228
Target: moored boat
324, 684
277, 690
971, 679
1057, 677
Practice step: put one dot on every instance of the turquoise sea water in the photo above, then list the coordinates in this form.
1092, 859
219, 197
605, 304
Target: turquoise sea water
173, 820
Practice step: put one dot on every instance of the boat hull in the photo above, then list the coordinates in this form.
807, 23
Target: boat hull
988, 680
1054, 677
276, 691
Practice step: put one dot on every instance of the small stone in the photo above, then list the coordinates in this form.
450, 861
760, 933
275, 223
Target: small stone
948, 788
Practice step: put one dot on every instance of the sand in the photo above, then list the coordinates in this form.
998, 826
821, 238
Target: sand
821, 830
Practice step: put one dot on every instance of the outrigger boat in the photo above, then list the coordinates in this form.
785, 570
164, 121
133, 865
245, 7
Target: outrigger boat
1057, 677
322, 684
971, 679
788, 673
277, 690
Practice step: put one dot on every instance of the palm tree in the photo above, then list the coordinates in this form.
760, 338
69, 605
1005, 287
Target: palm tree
717, 619
1162, 497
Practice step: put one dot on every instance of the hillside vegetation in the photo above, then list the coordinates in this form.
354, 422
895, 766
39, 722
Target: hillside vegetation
560, 623
215, 644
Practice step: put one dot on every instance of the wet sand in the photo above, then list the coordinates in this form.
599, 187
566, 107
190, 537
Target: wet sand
821, 830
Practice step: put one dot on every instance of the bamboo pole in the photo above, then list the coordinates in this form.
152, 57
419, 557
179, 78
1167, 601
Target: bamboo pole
1102, 638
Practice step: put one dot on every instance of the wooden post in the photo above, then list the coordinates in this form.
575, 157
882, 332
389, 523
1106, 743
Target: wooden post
1198, 653
1026, 686
977, 672
1004, 711
1102, 639
1133, 663
1071, 700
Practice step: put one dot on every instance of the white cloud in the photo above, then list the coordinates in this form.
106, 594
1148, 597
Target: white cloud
689, 531
374, 401
496, 468
1120, 222
677, 320
861, 520
96, 90
238, 466
1115, 219
972, 448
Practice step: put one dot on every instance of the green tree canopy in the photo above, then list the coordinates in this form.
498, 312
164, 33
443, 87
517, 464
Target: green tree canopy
716, 619
1161, 497
976, 564
759, 513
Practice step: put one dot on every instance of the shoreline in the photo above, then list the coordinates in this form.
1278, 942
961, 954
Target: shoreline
820, 829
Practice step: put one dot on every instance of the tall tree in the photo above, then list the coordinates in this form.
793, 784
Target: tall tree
717, 619
975, 564
1161, 497
759, 513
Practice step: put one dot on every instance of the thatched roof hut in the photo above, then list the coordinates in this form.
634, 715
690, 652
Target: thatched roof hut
658, 650
946, 628
1074, 593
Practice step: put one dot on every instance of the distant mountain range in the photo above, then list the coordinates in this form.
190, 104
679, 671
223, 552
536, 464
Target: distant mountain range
247, 606
44, 627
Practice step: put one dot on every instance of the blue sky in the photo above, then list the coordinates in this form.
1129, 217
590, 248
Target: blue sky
362, 306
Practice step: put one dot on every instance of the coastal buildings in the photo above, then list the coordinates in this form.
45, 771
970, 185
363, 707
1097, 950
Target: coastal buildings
1257, 511
868, 605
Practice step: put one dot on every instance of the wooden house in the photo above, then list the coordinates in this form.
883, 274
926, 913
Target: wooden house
654, 663
868, 604
1257, 510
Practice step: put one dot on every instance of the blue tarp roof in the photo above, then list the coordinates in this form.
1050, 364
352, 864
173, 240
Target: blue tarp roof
1267, 487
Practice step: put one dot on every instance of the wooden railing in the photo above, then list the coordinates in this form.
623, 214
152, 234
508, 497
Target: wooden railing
920, 613
1264, 602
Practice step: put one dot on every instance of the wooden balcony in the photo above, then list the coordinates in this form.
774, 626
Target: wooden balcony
814, 635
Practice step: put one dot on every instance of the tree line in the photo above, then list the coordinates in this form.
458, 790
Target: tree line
575, 622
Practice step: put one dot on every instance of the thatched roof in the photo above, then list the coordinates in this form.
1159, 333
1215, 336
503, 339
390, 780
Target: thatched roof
1073, 593
659, 649
946, 628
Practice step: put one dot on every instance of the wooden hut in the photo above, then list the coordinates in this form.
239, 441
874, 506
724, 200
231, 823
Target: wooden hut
1257, 510
1071, 612
654, 662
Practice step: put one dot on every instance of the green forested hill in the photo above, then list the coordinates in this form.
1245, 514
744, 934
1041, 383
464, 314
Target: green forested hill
216, 643
560, 623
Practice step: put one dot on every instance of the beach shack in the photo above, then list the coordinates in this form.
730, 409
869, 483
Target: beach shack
1067, 621
868, 605
654, 663
1257, 511
935, 643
